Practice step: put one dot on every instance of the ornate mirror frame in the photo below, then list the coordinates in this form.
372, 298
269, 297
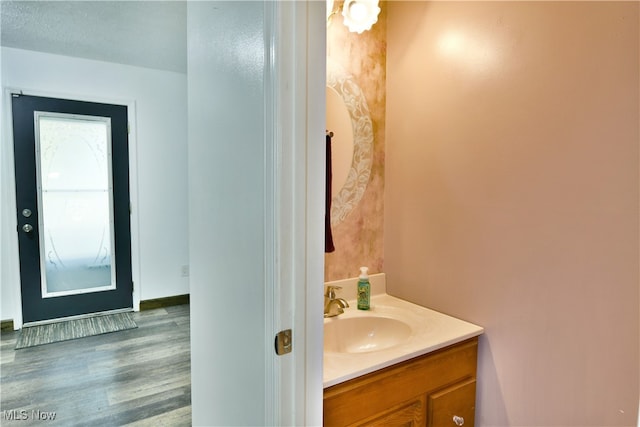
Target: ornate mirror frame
358, 178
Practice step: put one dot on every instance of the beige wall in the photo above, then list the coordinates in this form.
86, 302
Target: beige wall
358, 239
512, 196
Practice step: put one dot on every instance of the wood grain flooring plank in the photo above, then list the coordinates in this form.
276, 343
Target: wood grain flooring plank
164, 379
177, 418
138, 409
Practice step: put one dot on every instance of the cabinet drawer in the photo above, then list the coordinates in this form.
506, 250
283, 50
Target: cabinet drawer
453, 406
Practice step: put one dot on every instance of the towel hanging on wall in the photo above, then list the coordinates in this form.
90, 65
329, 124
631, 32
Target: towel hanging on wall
328, 237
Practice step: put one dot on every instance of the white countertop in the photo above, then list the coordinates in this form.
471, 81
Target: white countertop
430, 330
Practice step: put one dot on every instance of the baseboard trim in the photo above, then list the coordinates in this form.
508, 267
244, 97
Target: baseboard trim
6, 325
150, 304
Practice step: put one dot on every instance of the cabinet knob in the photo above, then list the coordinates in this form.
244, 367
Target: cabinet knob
459, 421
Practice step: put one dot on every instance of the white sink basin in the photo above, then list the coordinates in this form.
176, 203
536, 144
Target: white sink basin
359, 342
364, 334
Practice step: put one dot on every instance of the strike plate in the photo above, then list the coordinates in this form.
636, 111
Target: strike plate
283, 342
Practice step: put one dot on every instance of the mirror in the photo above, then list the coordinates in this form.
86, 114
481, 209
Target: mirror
351, 108
339, 123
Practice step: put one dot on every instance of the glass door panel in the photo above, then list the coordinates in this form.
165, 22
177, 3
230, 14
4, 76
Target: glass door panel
75, 199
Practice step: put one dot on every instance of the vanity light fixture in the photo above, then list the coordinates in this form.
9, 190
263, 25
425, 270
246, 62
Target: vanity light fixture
358, 15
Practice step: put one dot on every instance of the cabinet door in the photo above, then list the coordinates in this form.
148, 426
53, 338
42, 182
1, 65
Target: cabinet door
407, 414
453, 406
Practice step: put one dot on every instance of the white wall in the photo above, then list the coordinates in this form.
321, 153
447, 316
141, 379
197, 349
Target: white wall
256, 195
161, 161
226, 211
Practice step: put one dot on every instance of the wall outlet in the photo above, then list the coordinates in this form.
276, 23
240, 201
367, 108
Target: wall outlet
184, 271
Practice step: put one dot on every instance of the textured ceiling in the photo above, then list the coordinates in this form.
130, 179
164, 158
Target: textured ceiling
143, 33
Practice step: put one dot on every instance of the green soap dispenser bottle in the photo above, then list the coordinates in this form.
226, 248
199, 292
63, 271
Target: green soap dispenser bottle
364, 290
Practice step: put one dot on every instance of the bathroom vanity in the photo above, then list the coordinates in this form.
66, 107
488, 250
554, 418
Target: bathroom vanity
437, 389
399, 364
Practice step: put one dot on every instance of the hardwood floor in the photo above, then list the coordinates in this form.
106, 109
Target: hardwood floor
137, 377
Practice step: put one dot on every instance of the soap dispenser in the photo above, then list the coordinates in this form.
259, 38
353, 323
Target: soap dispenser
364, 290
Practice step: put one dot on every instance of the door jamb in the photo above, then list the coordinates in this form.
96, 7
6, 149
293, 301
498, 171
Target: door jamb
12, 257
295, 177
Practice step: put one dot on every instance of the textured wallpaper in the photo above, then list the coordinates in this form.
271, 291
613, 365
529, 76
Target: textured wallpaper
359, 238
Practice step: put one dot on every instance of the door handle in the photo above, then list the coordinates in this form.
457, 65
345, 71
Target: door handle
27, 228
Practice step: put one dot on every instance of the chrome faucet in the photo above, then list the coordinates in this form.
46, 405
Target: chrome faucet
333, 306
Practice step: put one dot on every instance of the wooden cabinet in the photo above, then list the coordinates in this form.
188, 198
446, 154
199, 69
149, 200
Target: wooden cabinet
437, 390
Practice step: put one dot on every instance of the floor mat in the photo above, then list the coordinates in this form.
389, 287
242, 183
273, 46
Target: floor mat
31, 336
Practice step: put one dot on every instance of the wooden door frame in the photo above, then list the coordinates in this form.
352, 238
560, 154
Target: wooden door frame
11, 271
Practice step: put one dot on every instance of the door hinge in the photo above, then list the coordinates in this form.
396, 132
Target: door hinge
128, 128
284, 342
